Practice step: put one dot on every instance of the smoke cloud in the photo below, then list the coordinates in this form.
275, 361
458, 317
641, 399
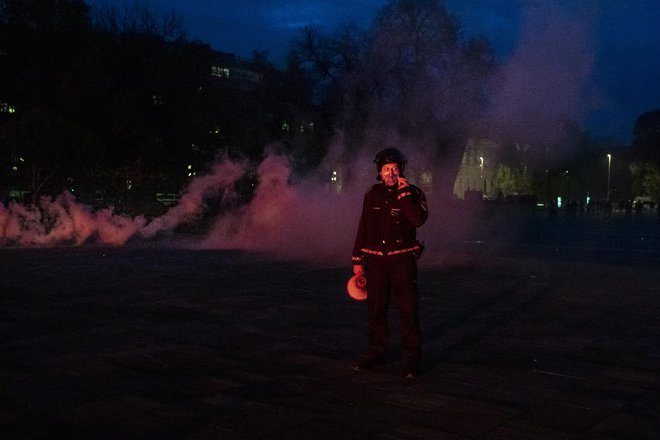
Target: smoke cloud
218, 183
62, 221
544, 81
306, 220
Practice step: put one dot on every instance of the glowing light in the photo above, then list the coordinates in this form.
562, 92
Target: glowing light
219, 72
609, 166
559, 202
7, 108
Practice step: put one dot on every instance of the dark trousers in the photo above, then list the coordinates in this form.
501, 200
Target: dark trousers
397, 276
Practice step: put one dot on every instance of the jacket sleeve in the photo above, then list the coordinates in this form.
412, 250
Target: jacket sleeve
413, 204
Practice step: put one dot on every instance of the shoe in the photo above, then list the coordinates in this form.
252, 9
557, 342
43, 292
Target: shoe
369, 364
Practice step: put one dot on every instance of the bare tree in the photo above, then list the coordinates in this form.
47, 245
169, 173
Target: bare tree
426, 77
138, 18
646, 136
410, 79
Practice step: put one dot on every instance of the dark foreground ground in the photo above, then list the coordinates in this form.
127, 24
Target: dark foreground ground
142, 342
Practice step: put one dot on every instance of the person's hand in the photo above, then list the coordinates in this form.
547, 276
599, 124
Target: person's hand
358, 270
403, 183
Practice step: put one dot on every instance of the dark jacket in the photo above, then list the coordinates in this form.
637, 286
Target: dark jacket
389, 221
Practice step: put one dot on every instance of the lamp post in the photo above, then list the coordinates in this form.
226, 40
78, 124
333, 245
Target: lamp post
609, 168
481, 172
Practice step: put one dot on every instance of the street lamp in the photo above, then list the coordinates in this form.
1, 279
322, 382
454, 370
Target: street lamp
481, 173
609, 168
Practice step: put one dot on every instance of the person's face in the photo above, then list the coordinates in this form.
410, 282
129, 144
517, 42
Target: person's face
389, 174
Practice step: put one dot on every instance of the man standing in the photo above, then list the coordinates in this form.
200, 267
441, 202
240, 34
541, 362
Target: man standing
386, 252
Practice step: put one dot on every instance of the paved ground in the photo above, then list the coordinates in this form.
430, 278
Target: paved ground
142, 342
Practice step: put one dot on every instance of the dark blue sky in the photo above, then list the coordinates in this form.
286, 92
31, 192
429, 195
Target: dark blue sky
602, 54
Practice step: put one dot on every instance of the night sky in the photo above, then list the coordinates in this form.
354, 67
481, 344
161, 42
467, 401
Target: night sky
611, 65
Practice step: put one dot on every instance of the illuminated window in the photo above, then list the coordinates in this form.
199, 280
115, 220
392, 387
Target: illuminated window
7, 108
219, 72
14, 168
157, 99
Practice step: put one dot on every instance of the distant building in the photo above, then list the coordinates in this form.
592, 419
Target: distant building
478, 168
7, 111
234, 72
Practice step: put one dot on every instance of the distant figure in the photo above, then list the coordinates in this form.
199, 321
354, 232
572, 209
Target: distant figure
386, 252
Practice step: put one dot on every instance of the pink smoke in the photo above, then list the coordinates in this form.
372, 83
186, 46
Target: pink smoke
63, 221
302, 221
220, 181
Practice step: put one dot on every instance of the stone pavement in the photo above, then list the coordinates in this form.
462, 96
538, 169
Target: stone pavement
148, 343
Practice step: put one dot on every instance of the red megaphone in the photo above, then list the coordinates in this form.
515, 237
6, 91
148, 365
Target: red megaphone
357, 287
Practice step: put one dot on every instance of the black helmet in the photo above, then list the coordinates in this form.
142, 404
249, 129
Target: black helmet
390, 155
